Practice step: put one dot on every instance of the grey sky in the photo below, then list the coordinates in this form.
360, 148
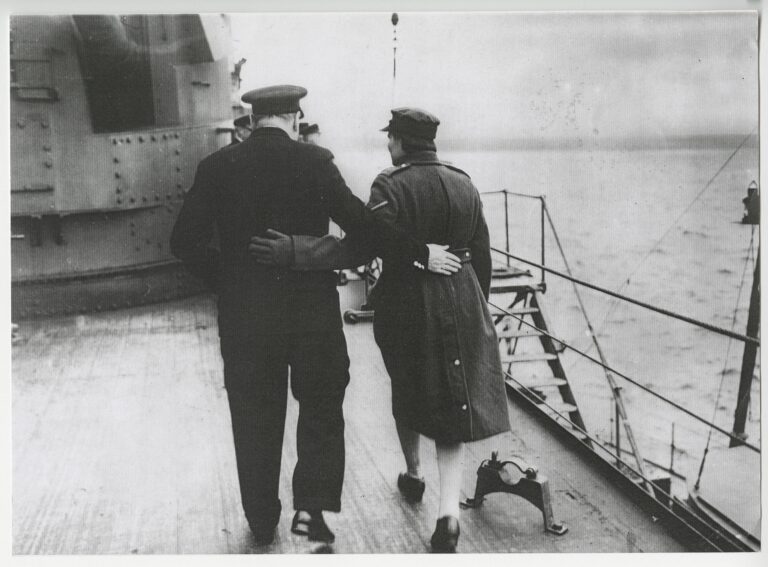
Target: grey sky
523, 75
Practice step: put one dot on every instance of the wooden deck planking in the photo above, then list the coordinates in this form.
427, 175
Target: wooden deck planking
122, 444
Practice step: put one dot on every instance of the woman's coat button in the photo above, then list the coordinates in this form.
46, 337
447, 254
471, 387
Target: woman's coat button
456, 362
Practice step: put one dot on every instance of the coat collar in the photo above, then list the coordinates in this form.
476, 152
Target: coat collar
415, 157
268, 131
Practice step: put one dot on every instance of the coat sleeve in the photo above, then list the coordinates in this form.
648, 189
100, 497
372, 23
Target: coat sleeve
194, 228
327, 253
333, 253
480, 245
372, 232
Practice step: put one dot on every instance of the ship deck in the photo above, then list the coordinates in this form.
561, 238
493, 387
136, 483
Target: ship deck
122, 445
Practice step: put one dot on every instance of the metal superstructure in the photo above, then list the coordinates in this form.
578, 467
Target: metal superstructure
109, 117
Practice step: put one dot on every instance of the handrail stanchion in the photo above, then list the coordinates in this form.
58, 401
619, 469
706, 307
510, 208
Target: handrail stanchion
543, 263
506, 221
618, 432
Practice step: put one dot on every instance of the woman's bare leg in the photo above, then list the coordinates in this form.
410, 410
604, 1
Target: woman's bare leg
450, 463
409, 443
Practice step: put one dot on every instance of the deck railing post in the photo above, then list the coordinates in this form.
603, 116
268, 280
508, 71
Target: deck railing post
543, 272
618, 431
672, 451
506, 222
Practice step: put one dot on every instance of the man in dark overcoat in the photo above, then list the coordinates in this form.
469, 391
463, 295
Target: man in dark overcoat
272, 318
436, 335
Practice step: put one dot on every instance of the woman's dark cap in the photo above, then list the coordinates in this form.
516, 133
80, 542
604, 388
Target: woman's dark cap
413, 122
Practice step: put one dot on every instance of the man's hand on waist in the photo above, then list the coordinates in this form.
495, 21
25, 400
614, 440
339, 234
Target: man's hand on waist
441, 261
273, 249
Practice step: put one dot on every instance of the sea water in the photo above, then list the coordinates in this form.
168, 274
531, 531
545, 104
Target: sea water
661, 226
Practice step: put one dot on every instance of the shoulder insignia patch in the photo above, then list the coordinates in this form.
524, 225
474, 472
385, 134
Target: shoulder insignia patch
378, 206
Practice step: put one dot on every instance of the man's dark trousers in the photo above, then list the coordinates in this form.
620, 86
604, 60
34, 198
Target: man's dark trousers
256, 371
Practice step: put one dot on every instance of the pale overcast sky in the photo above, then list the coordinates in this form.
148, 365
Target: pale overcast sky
523, 75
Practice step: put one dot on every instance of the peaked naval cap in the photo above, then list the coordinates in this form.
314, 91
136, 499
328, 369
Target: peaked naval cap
277, 99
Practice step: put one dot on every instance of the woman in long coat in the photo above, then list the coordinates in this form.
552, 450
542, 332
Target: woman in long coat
435, 333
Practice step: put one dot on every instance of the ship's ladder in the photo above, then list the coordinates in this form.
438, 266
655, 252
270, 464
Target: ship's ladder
527, 298
530, 357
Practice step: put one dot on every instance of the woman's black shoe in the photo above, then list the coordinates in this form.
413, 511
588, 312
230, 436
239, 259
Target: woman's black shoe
411, 488
446, 535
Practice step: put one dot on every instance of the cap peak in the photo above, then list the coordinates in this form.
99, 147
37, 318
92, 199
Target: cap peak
275, 99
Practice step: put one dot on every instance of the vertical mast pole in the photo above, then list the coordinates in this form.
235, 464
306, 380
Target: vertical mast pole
748, 360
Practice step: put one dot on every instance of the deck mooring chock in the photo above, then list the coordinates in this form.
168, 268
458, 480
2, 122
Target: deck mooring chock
532, 486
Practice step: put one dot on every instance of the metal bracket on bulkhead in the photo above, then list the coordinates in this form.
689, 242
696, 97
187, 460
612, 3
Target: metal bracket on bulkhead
492, 477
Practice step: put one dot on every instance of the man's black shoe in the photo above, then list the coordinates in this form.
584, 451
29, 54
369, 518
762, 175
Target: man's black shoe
313, 526
411, 488
300, 523
446, 535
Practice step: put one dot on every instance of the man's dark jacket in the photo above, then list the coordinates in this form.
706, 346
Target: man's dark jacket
271, 181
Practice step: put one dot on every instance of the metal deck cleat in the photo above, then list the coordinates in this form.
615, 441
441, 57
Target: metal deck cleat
496, 476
